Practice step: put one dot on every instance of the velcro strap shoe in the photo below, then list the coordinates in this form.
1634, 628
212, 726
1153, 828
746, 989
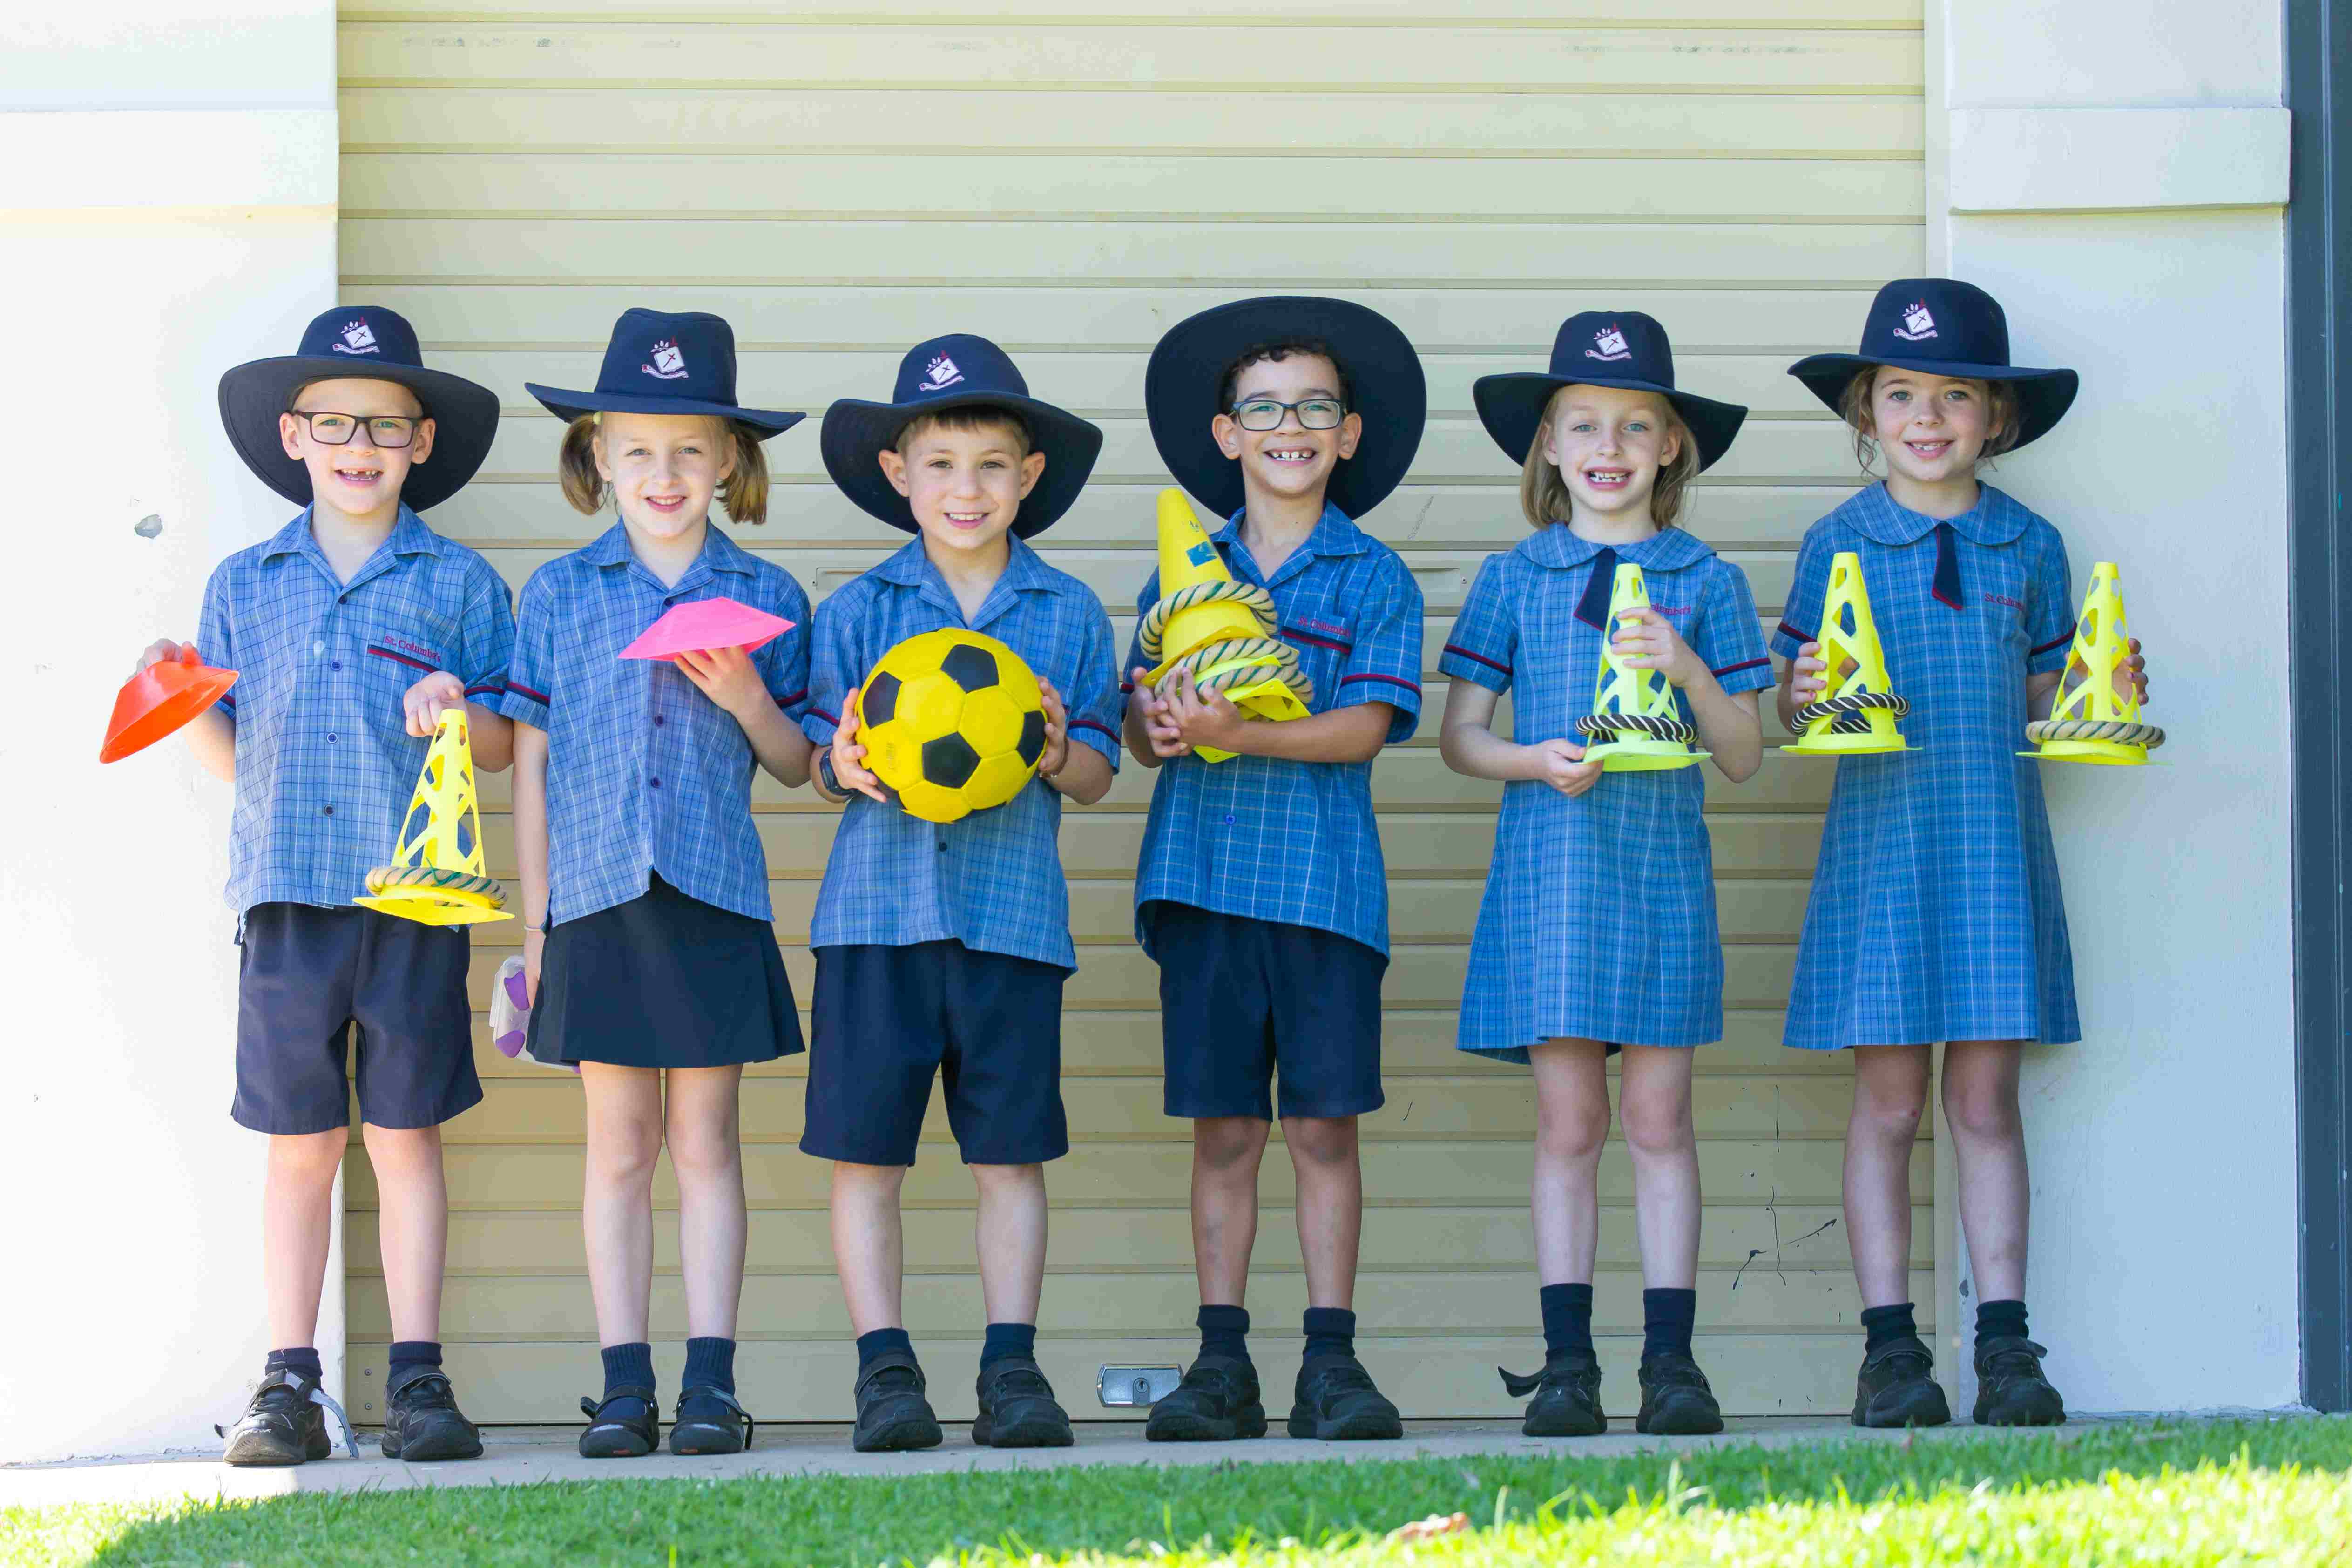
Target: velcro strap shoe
1567, 1402
1216, 1403
1896, 1387
1676, 1400
1334, 1400
892, 1414
422, 1423
2010, 1389
1017, 1409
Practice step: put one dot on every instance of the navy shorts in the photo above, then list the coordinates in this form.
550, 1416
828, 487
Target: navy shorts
307, 974
1241, 998
886, 1018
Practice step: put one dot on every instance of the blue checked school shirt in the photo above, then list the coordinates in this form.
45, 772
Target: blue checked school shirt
1936, 912
325, 764
1598, 921
645, 774
992, 881
1279, 840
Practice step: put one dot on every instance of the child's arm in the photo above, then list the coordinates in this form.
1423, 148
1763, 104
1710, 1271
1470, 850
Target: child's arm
1353, 734
1467, 741
1801, 681
212, 735
530, 843
1727, 723
729, 678
490, 734
1075, 773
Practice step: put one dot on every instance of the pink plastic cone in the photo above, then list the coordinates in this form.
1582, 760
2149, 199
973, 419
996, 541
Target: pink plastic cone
707, 624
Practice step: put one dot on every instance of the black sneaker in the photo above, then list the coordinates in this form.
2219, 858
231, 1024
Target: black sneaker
892, 1413
1017, 1408
285, 1423
422, 1422
1676, 1400
1335, 1400
1216, 1403
1566, 1401
1896, 1387
709, 1421
2010, 1389
629, 1433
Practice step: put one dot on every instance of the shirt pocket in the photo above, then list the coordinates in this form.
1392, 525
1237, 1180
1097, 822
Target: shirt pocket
1324, 633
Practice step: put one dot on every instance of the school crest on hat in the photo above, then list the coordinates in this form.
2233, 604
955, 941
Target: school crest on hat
668, 363
1609, 344
662, 361
1633, 353
1941, 326
358, 338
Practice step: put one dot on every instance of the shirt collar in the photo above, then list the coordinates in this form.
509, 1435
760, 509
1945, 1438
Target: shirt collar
1025, 572
1995, 519
1333, 534
719, 553
1668, 550
409, 536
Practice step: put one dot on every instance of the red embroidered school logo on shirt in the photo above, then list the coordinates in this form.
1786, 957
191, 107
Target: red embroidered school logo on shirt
1610, 346
2002, 599
668, 363
1918, 325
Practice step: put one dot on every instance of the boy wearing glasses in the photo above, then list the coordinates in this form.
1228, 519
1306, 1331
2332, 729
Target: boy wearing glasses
1261, 891
351, 630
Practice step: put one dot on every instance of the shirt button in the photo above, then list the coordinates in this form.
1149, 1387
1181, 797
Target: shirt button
1229, 819
654, 783
326, 811
659, 720
943, 845
335, 664
331, 738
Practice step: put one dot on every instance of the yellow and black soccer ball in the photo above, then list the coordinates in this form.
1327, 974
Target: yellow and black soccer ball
953, 723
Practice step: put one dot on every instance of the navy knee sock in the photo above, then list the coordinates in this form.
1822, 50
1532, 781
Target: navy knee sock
1008, 1339
301, 1361
1225, 1330
710, 1363
1887, 1324
1567, 1318
877, 1343
1330, 1330
1666, 1320
407, 1353
1999, 1319
627, 1366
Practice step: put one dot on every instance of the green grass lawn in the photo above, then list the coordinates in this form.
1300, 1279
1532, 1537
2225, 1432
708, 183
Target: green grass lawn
2230, 1492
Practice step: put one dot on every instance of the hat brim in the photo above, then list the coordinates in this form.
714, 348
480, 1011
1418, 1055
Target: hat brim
1387, 389
1512, 407
570, 405
2043, 395
855, 432
465, 421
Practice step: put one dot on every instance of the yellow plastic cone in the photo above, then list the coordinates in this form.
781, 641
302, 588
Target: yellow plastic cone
1635, 725
436, 876
2088, 723
1857, 699
1216, 627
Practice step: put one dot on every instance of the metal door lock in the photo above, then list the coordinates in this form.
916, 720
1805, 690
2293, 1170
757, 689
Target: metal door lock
1129, 1385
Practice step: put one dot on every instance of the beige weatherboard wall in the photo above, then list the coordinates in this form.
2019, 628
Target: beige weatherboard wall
1072, 184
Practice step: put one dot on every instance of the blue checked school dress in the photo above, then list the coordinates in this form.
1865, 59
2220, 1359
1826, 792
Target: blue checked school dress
1936, 912
1598, 920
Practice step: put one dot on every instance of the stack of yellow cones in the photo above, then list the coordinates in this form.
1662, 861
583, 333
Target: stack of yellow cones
1856, 715
1635, 725
436, 876
2089, 722
1220, 630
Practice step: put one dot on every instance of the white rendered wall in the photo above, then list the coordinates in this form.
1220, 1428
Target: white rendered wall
133, 1211
2164, 1260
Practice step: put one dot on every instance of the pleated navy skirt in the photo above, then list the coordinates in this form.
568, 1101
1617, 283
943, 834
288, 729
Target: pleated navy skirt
664, 981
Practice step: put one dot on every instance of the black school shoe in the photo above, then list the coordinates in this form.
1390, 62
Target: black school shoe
709, 1421
1017, 1408
1676, 1400
2010, 1389
1216, 1403
892, 1414
621, 1434
422, 1422
1566, 1401
285, 1423
1335, 1401
1896, 1387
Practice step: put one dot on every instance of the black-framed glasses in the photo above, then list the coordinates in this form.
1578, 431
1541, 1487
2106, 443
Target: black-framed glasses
1314, 412
390, 432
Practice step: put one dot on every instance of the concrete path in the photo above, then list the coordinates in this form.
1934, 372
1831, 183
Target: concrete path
517, 1455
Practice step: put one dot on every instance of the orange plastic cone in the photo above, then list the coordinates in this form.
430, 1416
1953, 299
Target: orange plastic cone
164, 697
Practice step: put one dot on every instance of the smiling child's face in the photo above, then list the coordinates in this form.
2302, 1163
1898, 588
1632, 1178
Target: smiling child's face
1290, 461
360, 478
1933, 428
964, 486
1609, 444
665, 469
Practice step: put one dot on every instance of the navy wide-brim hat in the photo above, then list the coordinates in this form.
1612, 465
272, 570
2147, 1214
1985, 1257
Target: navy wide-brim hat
371, 343
661, 362
1602, 348
958, 371
1385, 388
1941, 326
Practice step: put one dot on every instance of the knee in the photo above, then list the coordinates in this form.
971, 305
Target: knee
703, 1151
1227, 1144
403, 1147
310, 1154
1321, 1141
1658, 1123
1888, 1113
1983, 1113
626, 1154
1572, 1134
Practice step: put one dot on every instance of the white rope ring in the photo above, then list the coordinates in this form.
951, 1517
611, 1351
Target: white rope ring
1603, 727
2119, 734
432, 879
1848, 713
1284, 666
1155, 619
